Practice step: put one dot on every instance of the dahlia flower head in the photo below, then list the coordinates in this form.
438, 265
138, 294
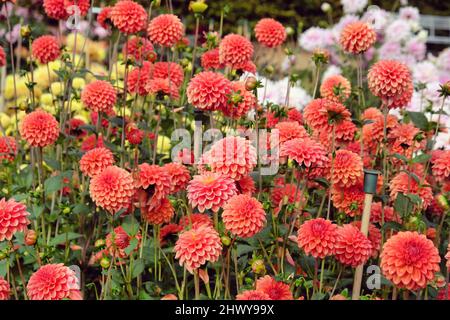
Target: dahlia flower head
243, 216
234, 157
104, 17
409, 260
441, 166
8, 148
39, 128
209, 90
13, 218
58, 9
270, 33
307, 153
252, 295
197, 246
54, 282
320, 114
165, 30
389, 80
140, 49
99, 96
374, 235
404, 183
285, 193
210, 191
246, 101
336, 88
246, 185
155, 180
118, 240
235, 50
2, 57
95, 161
357, 37
4, 289
352, 247
194, 220
139, 77
210, 60
159, 86
348, 168
288, 130
161, 212
112, 189
317, 237
276, 290
350, 199
169, 70
45, 49
179, 176
128, 16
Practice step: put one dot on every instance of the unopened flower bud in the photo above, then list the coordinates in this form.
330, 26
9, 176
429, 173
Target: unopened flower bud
250, 83
100, 243
325, 7
30, 237
198, 6
442, 201
226, 240
290, 31
25, 31
258, 267
104, 262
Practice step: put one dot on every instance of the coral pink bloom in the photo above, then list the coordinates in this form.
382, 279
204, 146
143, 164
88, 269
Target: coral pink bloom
104, 18
165, 30
374, 235
195, 219
348, 168
55, 9
276, 290
4, 289
2, 57
290, 130
198, 246
140, 48
336, 88
210, 191
352, 247
389, 80
160, 86
244, 216
13, 218
169, 70
161, 212
306, 153
128, 16
45, 49
155, 180
295, 115
138, 78
245, 101
99, 96
39, 129
246, 185
54, 282
349, 199
317, 237
357, 37
409, 260
252, 295
118, 240
286, 193
210, 60
235, 50
403, 183
179, 176
8, 148
95, 161
441, 166
112, 189
270, 32
209, 91
320, 114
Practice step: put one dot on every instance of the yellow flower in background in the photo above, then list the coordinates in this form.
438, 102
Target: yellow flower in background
118, 71
96, 51
77, 106
163, 145
97, 70
57, 88
70, 42
5, 120
46, 99
78, 83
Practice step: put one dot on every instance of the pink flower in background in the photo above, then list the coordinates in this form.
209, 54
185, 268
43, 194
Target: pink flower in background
315, 37
409, 13
353, 6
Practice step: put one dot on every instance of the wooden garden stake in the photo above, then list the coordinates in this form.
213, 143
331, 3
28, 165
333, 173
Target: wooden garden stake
370, 188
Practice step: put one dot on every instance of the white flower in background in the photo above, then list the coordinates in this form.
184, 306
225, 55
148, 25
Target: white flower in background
332, 70
276, 93
314, 38
409, 13
416, 47
398, 30
425, 72
423, 35
443, 59
390, 50
325, 7
353, 6
377, 17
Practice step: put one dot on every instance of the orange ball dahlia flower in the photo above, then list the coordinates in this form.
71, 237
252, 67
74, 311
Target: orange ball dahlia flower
155, 180
317, 237
240, 102
409, 260
441, 166
139, 77
165, 30
95, 161
288, 130
270, 32
140, 48
349, 200
161, 212
39, 129
320, 114
209, 91
197, 246
169, 70
210, 191
158, 86
306, 152
404, 183
8, 148
179, 176
104, 17
118, 240
276, 290
348, 168
357, 37
252, 295
99, 96
243, 216
55, 9
112, 189
352, 246
235, 50
13, 218
128, 16
45, 49
374, 235
336, 88
53, 282
210, 60
4, 289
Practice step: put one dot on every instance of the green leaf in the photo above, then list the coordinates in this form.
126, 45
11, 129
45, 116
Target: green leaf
130, 225
52, 163
403, 205
421, 158
419, 120
243, 249
133, 244
400, 157
323, 182
53, 184
392, 225
80, 209
138, 268
318, 296
63, 237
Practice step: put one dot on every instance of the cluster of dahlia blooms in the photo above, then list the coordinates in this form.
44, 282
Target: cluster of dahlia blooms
141, 158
